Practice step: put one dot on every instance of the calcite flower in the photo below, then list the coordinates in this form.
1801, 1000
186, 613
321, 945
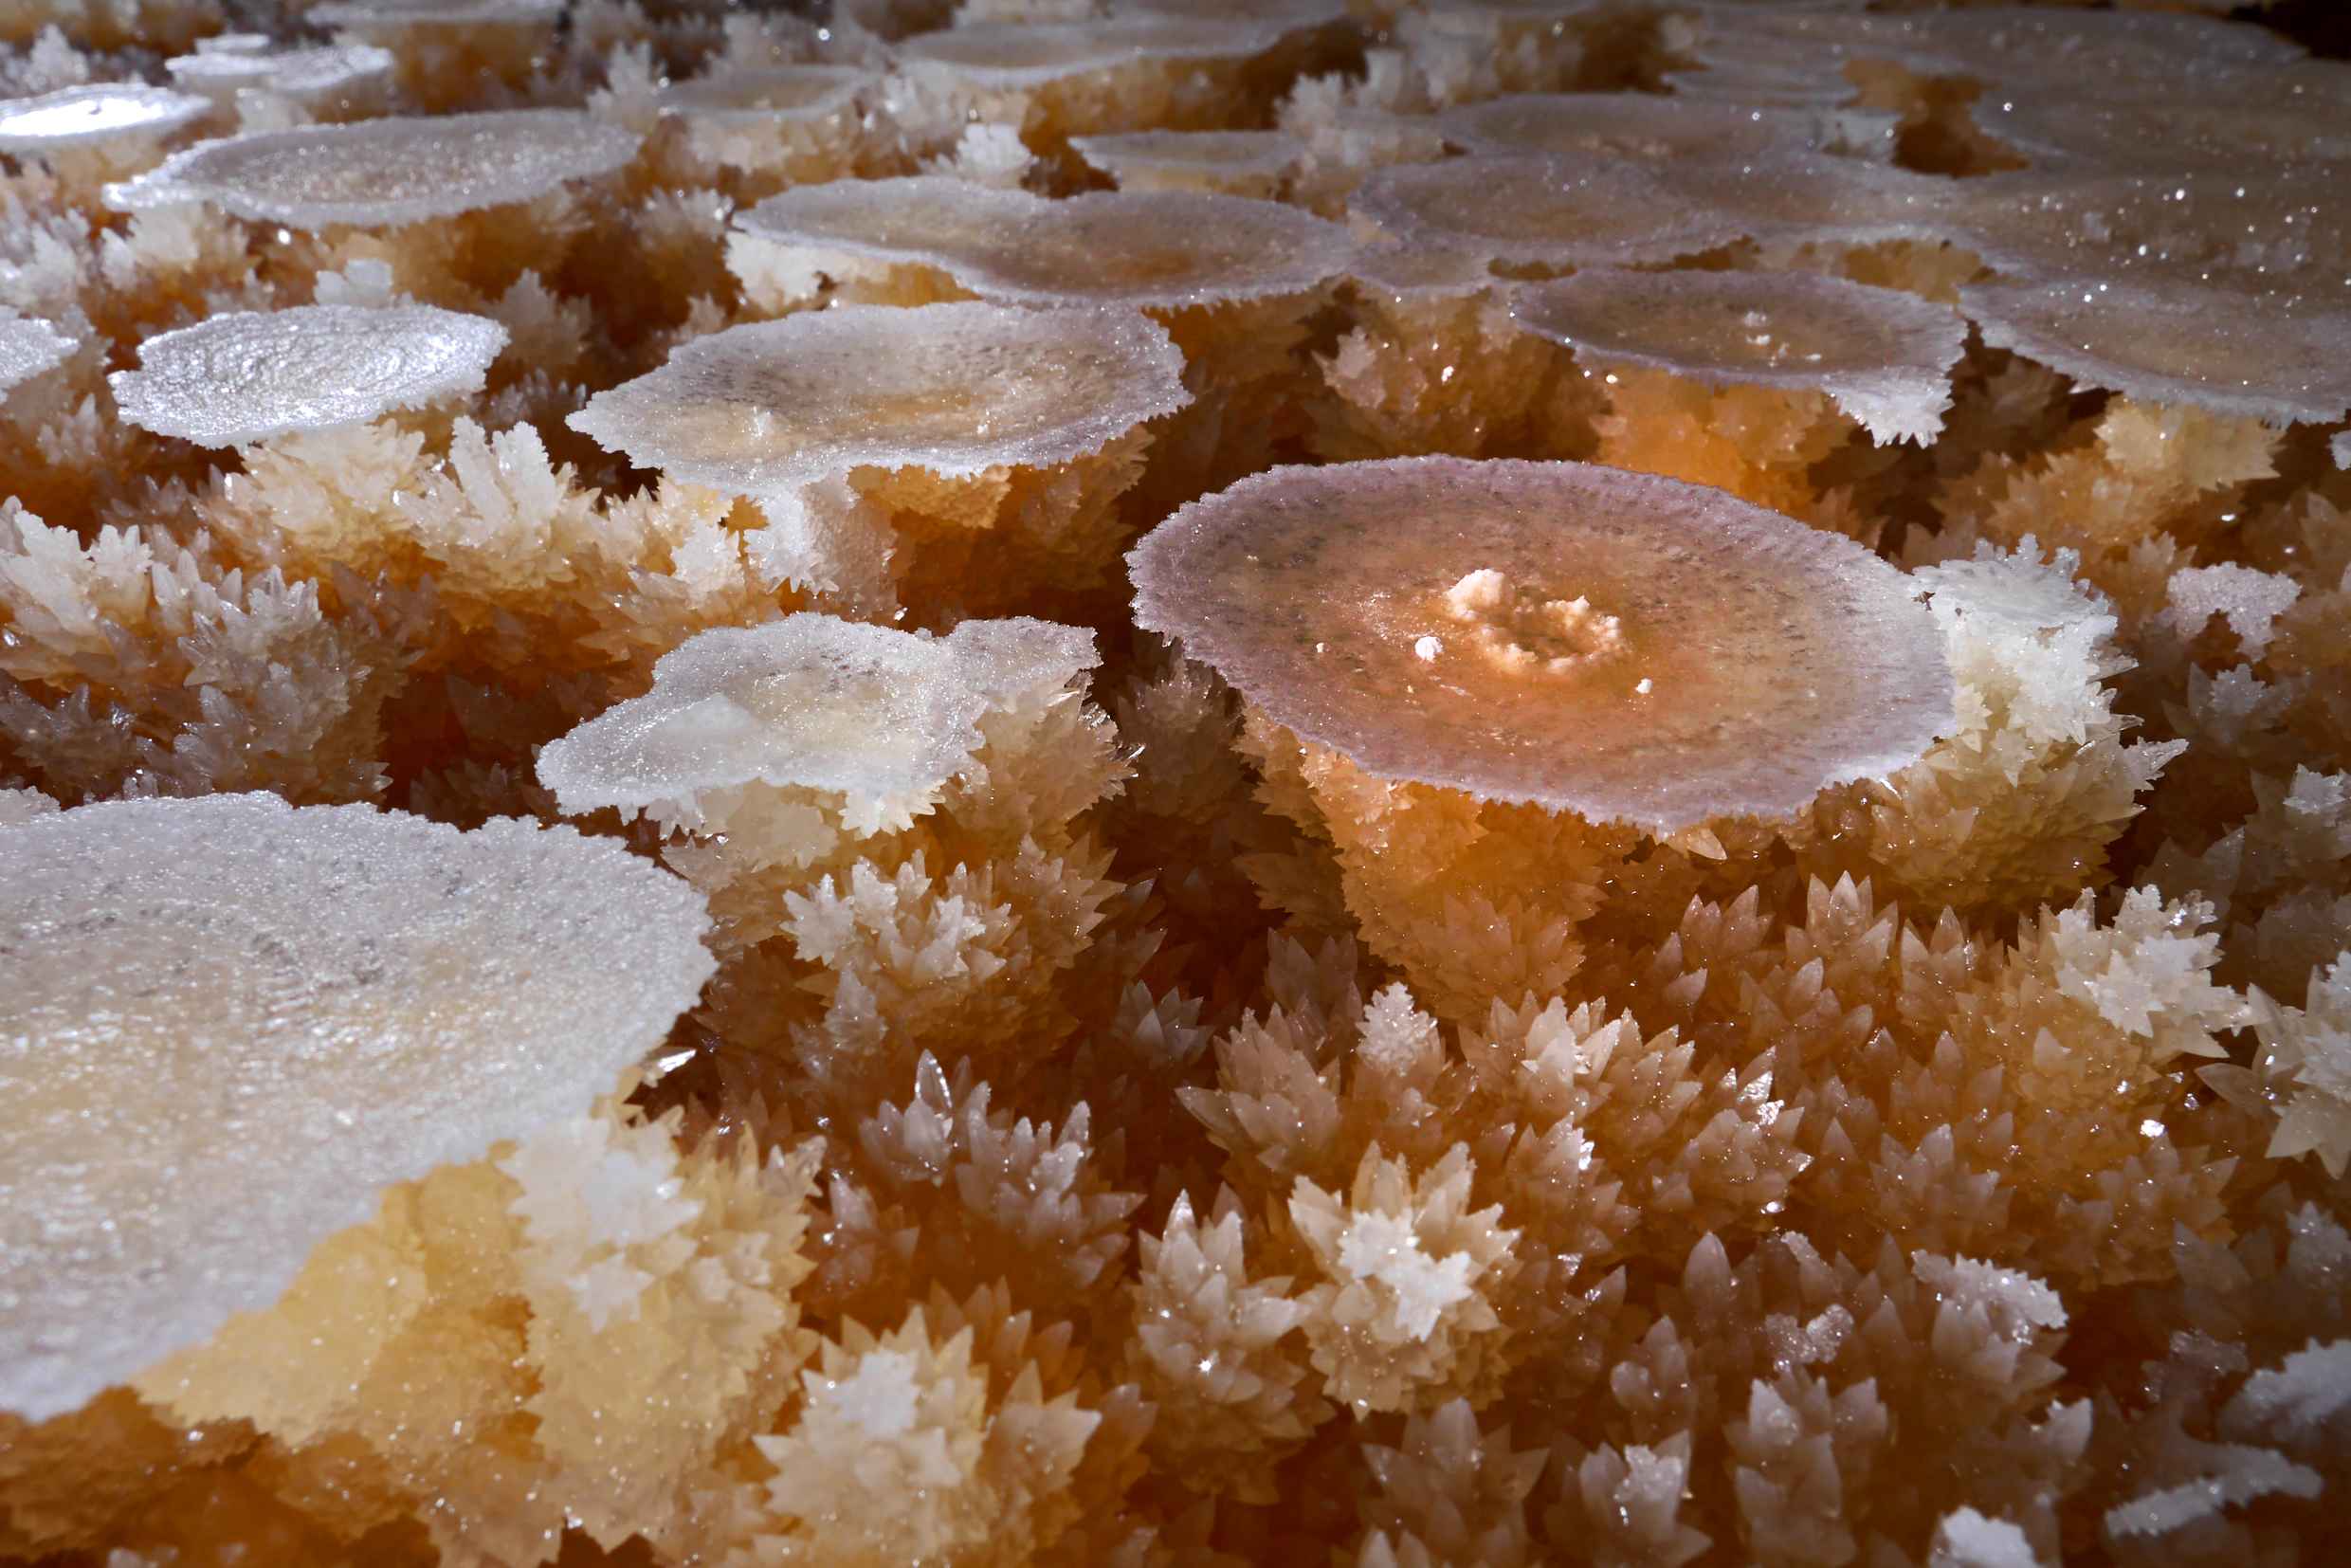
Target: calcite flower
953, 456
304, 1006
1488, 678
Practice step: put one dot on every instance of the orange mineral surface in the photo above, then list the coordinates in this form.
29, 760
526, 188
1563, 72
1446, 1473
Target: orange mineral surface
1175, 783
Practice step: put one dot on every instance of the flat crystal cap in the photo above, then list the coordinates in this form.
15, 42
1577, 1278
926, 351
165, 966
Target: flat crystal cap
227, 1025
249, 375
881, 716
29, 346
75, 116
296, 73
381, 172
1626, 647
2279, 357
1013, 55
954, 388
1884, 356
1144, 249
1539, 212
1650, 126
771, 94
1136, 155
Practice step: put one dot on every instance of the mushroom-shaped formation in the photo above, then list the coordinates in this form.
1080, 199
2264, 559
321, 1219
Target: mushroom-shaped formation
1481, 683
1430, 363
961, 428
1654, 127
251, 376
1157, 250
954, 389
28, 346
1237, 281
102, 112
228, 1024
1746, 380
1239, 163
2274, 356
774, 125
338, 80
793, 750
998, 55
737, 95
384, 172
448, 52
1621, 646
874, 720
1532, 211
1051, 81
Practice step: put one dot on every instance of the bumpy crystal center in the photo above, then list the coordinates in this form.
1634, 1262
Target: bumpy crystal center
1528, 629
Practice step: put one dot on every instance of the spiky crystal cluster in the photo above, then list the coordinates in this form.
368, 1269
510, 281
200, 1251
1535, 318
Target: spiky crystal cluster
1173, 783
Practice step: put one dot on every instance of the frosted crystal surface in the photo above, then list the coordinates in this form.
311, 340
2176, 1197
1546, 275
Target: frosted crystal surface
384, 172
1159, 248
252, 375
868, 712
2010, 45
1405, 271
784, 92
1810, 196
75, 115
371, 15
1537, 212
296, 73
227, 1025
951, 388
2273, 357
1158, 158
2264, 227
1623, 645
2061, 128
1000, 55
1885, 356
1636, 125
28, 346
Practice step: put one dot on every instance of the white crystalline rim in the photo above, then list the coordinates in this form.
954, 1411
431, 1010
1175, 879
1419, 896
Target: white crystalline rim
963, 54
98, 111
616, 418
652, 752
207, 172
538, 963
28, 346
1896, 395
1272, 154
388, 357
1301, 252
2016, 317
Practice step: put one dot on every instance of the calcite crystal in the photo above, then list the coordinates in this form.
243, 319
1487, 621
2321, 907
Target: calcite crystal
232, 1025
1175, 782
247, 376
